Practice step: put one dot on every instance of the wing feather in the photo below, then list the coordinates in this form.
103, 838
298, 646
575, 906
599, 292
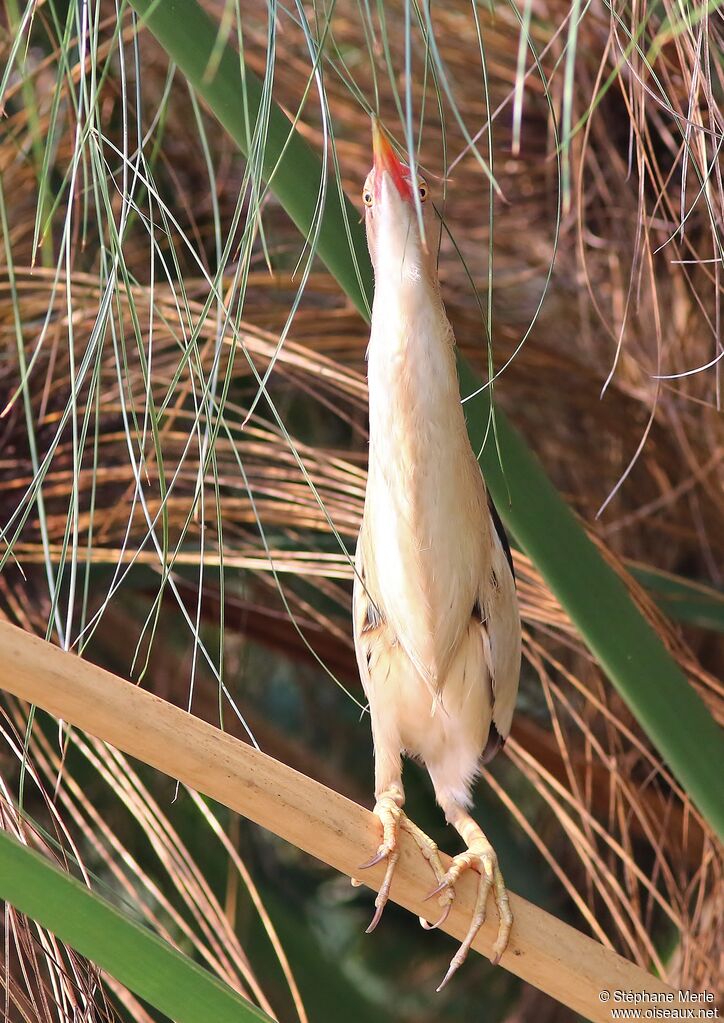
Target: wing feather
502, 641
367, 618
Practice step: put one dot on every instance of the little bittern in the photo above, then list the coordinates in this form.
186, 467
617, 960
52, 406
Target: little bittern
436, 622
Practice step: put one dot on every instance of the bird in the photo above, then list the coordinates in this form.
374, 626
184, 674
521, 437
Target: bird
436, 621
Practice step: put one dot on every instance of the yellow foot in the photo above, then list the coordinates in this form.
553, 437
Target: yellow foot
393, 820
479, 856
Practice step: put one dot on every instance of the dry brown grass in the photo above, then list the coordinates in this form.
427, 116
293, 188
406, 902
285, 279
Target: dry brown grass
634, 294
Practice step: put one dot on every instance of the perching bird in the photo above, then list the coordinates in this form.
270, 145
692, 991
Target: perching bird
436, 621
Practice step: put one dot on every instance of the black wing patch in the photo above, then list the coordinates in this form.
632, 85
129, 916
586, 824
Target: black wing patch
495, 743
500, 530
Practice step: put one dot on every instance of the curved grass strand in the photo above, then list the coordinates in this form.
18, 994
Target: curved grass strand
629, 649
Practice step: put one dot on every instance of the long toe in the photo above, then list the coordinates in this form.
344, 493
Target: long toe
482, 858
384, 893
504, 913
387, 851
431, 854
393, 821
390, 814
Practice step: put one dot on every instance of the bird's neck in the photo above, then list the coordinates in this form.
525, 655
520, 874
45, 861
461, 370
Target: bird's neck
413, 384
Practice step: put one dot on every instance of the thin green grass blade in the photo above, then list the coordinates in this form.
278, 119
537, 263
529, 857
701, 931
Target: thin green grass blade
628, 648
290, 165
686, 601
169, 981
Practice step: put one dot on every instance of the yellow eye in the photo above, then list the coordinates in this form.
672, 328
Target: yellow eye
367, 198
423, 191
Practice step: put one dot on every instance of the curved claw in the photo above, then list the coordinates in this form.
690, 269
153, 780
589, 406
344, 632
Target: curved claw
375, 919
436, 891
378, 857
452, 968
456, 962
438, 923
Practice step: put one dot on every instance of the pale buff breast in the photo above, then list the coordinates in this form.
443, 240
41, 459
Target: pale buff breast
426, 523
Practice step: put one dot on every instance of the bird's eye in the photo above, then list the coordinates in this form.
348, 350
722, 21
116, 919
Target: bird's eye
422, 188
367, 198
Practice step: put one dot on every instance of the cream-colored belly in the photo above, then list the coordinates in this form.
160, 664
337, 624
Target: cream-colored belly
446, 731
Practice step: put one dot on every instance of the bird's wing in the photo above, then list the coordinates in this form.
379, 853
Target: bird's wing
367, 618
501, 637
501, 534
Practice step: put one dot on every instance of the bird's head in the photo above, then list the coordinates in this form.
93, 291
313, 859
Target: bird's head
392, 216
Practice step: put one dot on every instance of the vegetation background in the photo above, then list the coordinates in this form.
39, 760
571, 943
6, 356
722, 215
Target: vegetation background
183, 446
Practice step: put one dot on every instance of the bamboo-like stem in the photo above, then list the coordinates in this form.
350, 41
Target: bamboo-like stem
544, 951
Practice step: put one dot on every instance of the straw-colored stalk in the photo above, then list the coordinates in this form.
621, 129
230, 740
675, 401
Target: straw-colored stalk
543, 950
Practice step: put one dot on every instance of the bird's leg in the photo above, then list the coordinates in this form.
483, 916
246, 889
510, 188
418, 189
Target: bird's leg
388, 807
479, 856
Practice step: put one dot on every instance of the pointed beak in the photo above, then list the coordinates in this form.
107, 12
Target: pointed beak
386, 162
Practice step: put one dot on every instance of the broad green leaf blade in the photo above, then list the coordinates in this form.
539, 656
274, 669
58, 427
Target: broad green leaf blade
169, 981
628, 648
